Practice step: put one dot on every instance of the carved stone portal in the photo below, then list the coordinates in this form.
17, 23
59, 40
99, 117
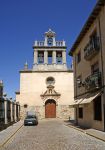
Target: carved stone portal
50, 93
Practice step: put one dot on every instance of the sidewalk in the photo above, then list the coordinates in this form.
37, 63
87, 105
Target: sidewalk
92, 132
6, 134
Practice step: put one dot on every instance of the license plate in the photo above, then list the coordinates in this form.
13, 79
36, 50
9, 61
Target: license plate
30, 122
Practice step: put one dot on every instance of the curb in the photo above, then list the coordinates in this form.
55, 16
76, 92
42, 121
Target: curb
6, 141
81, 130
95, 137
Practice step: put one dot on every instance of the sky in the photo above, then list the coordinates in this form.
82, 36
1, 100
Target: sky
24, 21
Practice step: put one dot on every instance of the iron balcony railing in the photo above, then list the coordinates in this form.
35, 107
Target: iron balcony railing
92, 48
93, 81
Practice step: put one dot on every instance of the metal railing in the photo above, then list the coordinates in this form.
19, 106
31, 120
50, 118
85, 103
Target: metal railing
92, 48
93, 81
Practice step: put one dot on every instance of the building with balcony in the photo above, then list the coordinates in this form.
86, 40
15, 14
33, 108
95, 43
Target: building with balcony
88, 53
47, 88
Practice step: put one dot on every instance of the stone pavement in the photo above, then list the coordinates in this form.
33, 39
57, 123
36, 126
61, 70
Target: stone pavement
52, 134
6, 134
92, 132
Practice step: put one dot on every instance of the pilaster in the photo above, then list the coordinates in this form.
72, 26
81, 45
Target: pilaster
64, 57
45, 57
54, 42
35, 57
54, 58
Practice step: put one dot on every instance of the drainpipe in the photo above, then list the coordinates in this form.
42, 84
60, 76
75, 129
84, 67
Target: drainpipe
76, 108
102, 64
75, 78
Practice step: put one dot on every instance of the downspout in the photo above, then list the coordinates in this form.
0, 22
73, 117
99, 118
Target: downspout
76, 108
102, 64
75, 79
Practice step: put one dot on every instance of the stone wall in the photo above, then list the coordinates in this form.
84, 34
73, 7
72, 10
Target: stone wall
62, 111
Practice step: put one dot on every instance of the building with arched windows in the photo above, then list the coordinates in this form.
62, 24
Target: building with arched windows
47, 88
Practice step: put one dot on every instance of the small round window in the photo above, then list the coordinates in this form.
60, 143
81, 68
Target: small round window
50, 80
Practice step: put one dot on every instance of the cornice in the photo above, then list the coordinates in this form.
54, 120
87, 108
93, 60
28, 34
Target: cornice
44, 71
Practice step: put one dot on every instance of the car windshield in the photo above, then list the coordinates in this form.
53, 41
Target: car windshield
31, 116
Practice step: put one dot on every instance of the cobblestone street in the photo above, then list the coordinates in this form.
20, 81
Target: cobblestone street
52, 135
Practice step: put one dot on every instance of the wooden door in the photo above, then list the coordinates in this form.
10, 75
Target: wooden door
50, 109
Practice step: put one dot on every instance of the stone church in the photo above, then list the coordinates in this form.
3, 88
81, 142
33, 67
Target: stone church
47, 88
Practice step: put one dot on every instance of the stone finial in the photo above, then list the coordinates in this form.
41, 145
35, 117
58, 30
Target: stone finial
64, 43
26, 66
35, 44
1, 82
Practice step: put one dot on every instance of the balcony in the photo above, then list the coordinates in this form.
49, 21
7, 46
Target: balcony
92, 48
93, 81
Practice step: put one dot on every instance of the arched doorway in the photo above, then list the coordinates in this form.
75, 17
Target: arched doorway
50, 109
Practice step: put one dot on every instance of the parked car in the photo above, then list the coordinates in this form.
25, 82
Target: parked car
31, 120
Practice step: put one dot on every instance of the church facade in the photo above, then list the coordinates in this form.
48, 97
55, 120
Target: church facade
47, 88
